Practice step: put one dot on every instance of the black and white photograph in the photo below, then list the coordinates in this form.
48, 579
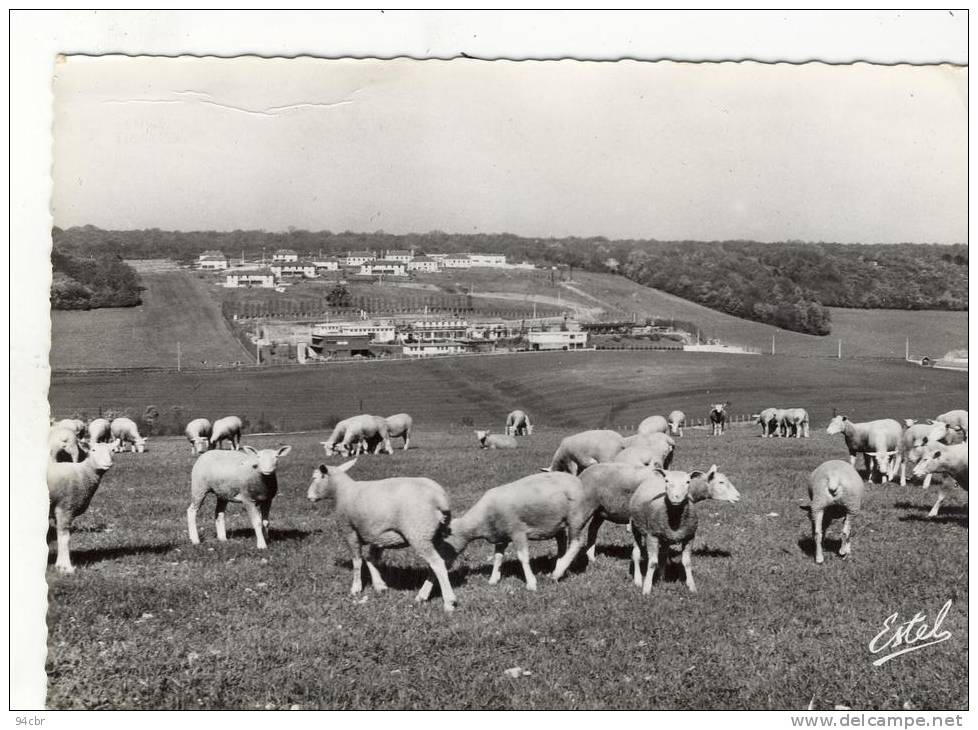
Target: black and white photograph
479, 383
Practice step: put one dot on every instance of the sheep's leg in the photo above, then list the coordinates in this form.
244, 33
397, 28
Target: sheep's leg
846, 547
817, 535
373, 558
573, 548
196, 499
561, 538
437, 563
903, 474
937, 505
897, 463
653, 551
63, 526
255, 516
265, 507
927, 480
523, 553
407, 440
219, 525
353, 542
592, 537
638, 548
497, 562
688, 566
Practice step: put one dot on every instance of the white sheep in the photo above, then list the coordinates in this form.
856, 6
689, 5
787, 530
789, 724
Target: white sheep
496, 440
399, 426
769, 420
914, 440
654, 424
580, 450
100, 431
62, 443
677, 423
944, 459
246, 476
518, 423
387, 513
339, 431
648, 448
124, 431
226, 429
71, 487
75, 424
879, 439
794, 421
537, 507
664, 523
836, 485
608, 488
956, 420
948, 428
198, 433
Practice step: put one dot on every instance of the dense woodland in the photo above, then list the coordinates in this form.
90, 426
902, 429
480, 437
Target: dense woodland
785, 284
91, 281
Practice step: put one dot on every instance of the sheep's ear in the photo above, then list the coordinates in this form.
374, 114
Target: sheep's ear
249, 450
322, 469
712, 472
931, 421
283, 451
661, 473
346, 466
695, 474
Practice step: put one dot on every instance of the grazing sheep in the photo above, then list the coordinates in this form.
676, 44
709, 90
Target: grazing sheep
518, 424
837, 485
63, 445
246, 476
953, 430
387, 513
226, 429
100, 431
677, 423
75, 424
794, 421
663, 519
956, 420
124, 431
365, 433
577, 452
339, 431
198, 433
718, 417
536, 507
654, 424
399, 426
496, 440
769, 420
947, 459
879, 439
71, 487
654, 448
914, 440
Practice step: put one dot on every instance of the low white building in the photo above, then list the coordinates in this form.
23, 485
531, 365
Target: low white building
358, 258
262, 278
399, 255
285, 254
212, 261
557, 340
457, 261
424, 264
383, 266
327, 265
294, 269
379, 332
428, 349
496, 260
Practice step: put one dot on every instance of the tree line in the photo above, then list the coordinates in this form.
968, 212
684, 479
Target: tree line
787, 284
88, 282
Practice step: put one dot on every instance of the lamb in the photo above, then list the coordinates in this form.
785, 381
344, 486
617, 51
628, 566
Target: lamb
769, 420
124, 431
834, 485
496, 440
226, 429
645, 449
795, 421
371, 430
246, 476
536, 507
71, 487
718, 417
399, 426
387, 513
577, 452
663, 518
877, 438
948, 459
914, 439
100, 431
63, 444
198, 433
677, 423
654, 424
518, 424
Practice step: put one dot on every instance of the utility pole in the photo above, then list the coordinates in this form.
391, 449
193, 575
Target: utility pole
772, 343
178, 357
906, 355
840, 349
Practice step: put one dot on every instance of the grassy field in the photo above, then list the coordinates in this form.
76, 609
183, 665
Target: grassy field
582, 389
149, 621
176, 308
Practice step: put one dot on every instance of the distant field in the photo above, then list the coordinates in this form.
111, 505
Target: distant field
176, 308
584, 389
151, 622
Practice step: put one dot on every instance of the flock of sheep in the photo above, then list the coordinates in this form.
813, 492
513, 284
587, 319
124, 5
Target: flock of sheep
594, 477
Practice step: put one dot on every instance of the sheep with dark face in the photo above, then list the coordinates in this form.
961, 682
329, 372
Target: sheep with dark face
246, 476
718, 418
385, 514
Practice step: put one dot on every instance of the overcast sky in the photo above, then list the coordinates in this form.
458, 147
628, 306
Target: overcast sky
630, 149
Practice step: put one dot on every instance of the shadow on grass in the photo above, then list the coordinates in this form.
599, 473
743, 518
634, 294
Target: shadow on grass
98, 555
950, 509
274, 534
829, 545
407, 578
941, 519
